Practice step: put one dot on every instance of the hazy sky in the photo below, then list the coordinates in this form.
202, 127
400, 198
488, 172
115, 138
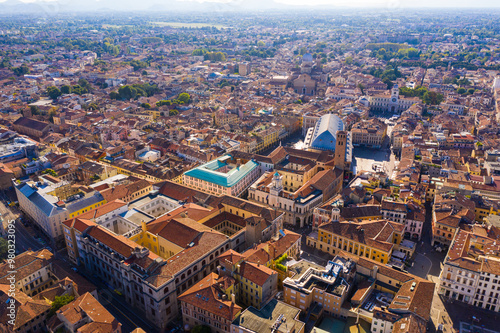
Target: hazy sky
349, 3
403, 3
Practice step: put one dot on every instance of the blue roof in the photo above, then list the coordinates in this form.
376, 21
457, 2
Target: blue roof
307, 57
84, 202
325, 133
208, 172
43, 204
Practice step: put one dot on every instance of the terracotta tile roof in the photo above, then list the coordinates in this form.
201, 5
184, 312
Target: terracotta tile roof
230, 256
351, 213
257, 255
393, 205
203, 244
79, 224
120, 244
410, 324
463, 253
209, 296
418, 300
283, 244
452, 218
180, 231
256, 273
376, 233
88, 308
122, 191
406, 301
190, 210
183, 193
94, 327
361, 292
253, 208
27, 263
225, 216
26, 308
104, 209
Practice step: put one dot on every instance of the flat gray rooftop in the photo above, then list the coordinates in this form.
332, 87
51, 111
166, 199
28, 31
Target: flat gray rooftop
261, 321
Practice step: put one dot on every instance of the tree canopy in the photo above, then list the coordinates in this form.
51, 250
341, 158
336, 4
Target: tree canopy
53, 92
59, 302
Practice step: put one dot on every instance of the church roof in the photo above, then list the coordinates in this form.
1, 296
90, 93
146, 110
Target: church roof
325, 133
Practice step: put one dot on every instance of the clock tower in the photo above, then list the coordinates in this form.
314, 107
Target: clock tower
394, 101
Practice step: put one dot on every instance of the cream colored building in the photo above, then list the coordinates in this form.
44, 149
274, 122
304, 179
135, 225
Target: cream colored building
391, 103
370, 133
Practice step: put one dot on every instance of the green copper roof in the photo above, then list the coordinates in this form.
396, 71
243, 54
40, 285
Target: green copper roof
208, 172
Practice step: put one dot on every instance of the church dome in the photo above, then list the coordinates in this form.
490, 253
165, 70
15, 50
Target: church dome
307, 57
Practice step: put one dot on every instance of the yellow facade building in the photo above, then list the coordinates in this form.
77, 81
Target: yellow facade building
374, 240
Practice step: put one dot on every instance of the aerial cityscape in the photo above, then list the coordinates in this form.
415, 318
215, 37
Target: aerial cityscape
249, 166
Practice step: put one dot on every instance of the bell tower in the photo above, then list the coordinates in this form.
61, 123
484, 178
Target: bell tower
340, 149
277, 184
395, 92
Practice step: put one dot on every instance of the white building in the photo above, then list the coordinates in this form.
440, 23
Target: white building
409, 214
297, 206
471, 272
42, 203
222, 176
150, 156
391, 103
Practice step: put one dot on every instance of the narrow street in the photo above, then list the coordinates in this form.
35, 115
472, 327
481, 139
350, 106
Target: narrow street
117, 306
24, 240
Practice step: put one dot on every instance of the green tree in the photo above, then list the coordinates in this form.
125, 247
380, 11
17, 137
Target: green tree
50, 172
66, 89
127, 92
215, 56
201, 329
184, 97
4, 247
34, 110
362, 88
59, 302
137, 64
21, 70
173, 112
388, 82
52, 113
114, 95
164, 102
199, 52
261, 44
85, 85
5, 63
432, 98
53, 92
146, 105
92, 106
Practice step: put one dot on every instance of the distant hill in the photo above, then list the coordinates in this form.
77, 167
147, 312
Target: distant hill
53, 7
